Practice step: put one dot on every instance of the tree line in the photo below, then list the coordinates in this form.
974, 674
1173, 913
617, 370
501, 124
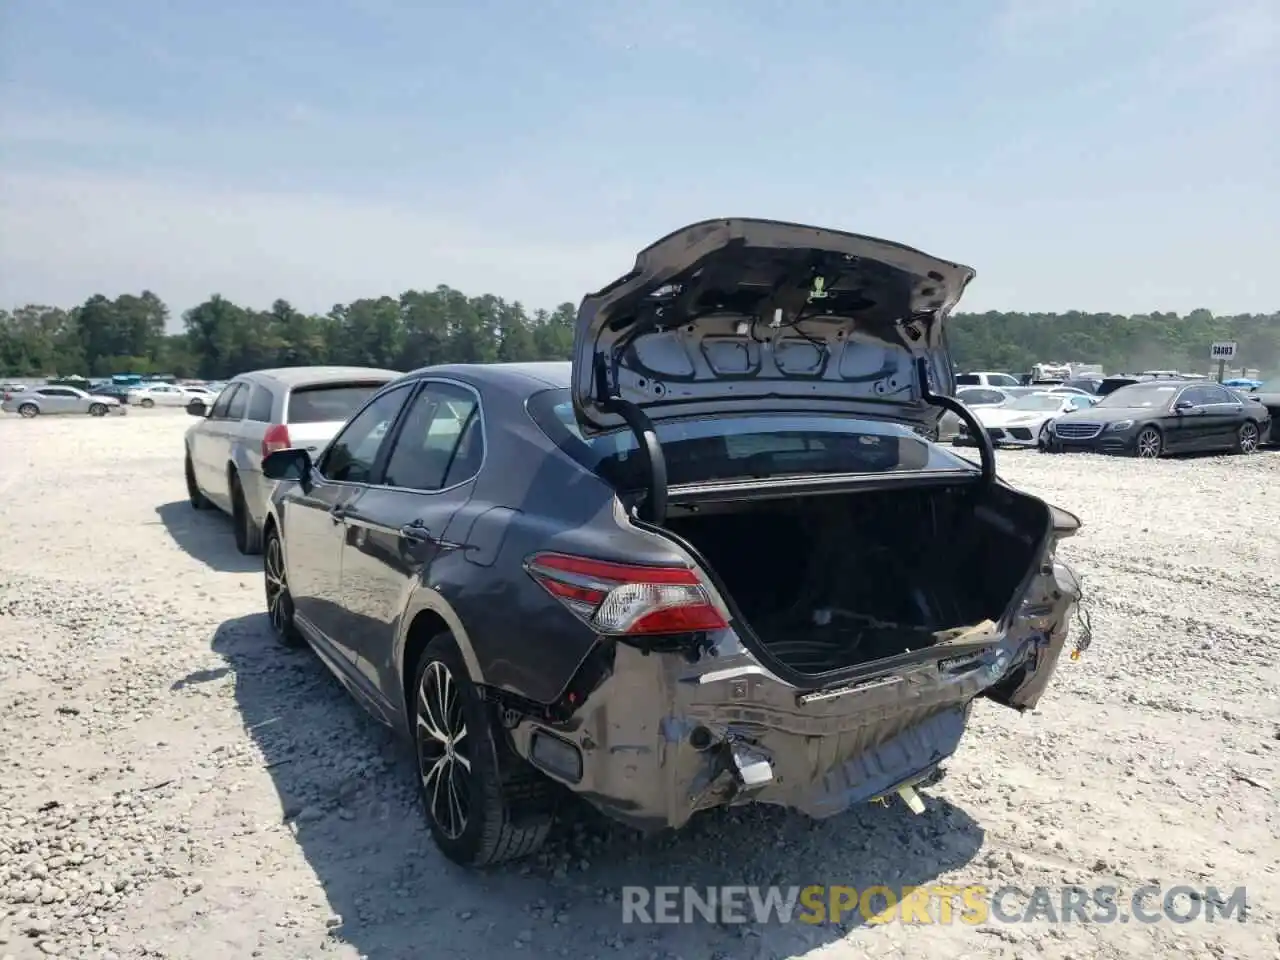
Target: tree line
220, 338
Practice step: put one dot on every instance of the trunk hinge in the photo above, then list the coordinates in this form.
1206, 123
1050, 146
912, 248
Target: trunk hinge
654, 507
976, 429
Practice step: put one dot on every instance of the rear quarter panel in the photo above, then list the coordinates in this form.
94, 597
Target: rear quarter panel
529, 497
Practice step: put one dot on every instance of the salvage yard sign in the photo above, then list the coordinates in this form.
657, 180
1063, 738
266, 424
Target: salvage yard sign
1222, 351
1225, 350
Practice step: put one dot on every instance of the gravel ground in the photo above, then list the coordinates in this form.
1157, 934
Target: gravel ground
172, 784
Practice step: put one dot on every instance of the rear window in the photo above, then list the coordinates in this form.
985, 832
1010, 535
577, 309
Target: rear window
744, 447
260, 404
330, 402
968, 379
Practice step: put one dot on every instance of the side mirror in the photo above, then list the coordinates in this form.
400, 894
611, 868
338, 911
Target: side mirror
292, 463
1182, 406
197, 408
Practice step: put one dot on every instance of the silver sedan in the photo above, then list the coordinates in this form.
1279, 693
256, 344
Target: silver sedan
44, 401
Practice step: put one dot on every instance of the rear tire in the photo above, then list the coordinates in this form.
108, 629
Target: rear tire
146, 403
483, 804
248, 536
1247, 438
97, 410
198, 500
29, 410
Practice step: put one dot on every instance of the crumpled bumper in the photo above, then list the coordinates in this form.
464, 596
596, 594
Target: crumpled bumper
662, 738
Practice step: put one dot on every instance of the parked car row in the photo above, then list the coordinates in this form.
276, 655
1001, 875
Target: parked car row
103, 398
1146, 418
548, 576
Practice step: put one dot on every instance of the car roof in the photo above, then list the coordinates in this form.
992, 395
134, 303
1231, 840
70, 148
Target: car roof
312, 376
512, 376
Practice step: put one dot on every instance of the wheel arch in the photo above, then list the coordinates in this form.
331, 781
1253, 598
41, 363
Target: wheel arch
426, 616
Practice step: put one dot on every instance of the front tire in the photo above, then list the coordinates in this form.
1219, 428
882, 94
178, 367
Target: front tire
1149, 444
146, 403
483, 804
248, 536
279, 599
197, 499
1247, 438
97, 410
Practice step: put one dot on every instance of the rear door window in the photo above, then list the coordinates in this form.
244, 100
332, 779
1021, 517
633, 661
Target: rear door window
330, 402
441, 443
260, 404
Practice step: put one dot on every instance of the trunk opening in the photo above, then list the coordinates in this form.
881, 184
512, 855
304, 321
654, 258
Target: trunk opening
833, 581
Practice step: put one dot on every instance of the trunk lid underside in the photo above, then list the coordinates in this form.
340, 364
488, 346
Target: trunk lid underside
756, 315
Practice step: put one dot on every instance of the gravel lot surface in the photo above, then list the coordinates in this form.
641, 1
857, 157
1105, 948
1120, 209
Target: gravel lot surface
173, 784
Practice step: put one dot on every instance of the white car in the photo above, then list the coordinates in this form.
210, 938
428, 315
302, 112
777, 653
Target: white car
44, 401
986, 378
1024, 421
257, 413
159, 395
971, 397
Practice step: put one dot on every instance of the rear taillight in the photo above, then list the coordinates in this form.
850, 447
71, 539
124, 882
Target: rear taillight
628, 600
276, 438
8, 396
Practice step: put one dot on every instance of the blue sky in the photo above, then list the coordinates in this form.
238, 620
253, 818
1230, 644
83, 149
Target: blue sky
1078, 153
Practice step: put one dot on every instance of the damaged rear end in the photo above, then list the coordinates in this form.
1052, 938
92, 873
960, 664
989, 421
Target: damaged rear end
836, 590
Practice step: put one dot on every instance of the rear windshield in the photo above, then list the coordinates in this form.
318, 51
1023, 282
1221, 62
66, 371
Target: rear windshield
744, 447
967, 379
330, 402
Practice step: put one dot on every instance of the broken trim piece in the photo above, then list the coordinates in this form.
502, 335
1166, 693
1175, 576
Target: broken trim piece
976, 429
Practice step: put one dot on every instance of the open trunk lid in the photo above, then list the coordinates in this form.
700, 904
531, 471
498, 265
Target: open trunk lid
743, 315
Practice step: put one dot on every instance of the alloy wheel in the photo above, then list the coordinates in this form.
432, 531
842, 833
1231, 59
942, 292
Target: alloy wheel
1149, 444
28, 410
277, 587
444, 761
1248, 438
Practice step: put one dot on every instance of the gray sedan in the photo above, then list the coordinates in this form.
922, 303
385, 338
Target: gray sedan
55, 400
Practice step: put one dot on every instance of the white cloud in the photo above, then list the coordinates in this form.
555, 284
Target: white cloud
67, 237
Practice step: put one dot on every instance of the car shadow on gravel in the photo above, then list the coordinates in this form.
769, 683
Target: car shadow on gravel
206, 535
346, 785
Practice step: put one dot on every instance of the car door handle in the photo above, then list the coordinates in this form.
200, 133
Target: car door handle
416, 532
